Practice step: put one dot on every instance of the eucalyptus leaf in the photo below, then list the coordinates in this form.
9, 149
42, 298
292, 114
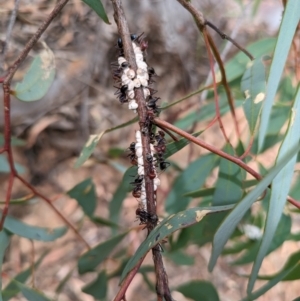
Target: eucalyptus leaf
280, 188
97, 6
84, 193
288, 26
19, 228
38, 78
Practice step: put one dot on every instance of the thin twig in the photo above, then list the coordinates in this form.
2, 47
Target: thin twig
226, 37
215, 87
201, 22
49, 202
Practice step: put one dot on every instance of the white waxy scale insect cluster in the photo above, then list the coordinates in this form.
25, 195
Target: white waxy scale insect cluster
141, 169
135, 79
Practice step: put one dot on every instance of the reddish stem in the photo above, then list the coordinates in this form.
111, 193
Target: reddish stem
218, 152
215, 86
126, 282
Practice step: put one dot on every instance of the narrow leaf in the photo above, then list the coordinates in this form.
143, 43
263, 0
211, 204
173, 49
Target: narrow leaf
92, 258
38, 78
104, 222
84, 193
284, 273
199, 290
293, 261
93, 140
191, 178
168, 226
234, 217
98, 287
97, 6
174, 147
236, 66
229, 184
31, 294
282, 232
210, 191
19, 228
115, 205
280, 188
253, 86
286, 33
12, 289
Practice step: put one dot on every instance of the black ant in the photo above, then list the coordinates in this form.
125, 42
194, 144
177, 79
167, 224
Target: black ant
145, 217
151, 73
121, 92
151, 104
132, 155
151, 169
133, 37
160, 148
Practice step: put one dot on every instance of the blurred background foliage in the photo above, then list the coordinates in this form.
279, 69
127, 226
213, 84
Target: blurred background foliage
49, 135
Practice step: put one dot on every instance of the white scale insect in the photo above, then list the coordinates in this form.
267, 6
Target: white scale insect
141, 169
133, 80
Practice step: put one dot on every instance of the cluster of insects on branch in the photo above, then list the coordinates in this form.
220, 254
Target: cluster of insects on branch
127, 80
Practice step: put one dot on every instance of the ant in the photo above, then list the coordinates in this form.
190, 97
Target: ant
160, 148
121, 92
145, 217
151, 169
151, 73
151, 104
132, 155
137, 189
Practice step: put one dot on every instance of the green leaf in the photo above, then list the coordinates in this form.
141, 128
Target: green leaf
174, 147
236, 66
84, 193
200, 233
192, 177
293, 261
286, 33
38, 78
4, 166
180, 258
199, 290
97, 6
98, 287
19, 228
280, 188
93, 140
92, 258
271, 283
229, 183
12, 289
103, 222
31, 294
254, 87
168, 226
234, 217
115, 205
207, 111
4, 241
282, 232
203, 192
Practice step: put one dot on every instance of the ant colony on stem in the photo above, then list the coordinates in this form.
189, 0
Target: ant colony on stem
127, 80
